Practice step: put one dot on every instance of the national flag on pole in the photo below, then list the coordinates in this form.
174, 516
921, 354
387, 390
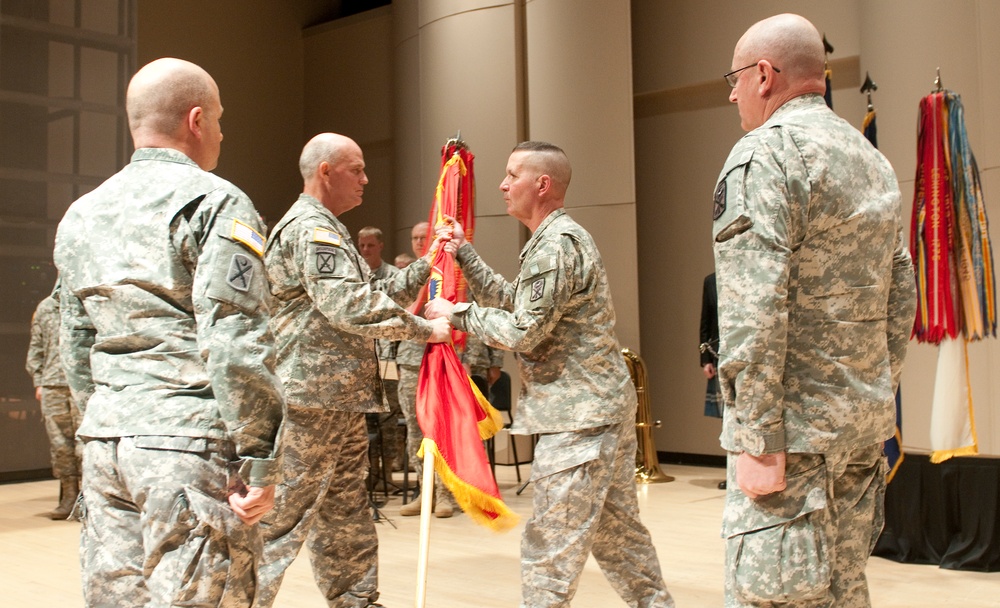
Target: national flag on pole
454, 416
892, 447
953, 257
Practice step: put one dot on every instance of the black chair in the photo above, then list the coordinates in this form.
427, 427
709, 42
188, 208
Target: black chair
499, 398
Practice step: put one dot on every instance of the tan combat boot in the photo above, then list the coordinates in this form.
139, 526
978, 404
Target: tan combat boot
69, 488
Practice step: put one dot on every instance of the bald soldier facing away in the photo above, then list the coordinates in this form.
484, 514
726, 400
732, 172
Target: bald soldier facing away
328, 316
167, 352
558, 318
816, 302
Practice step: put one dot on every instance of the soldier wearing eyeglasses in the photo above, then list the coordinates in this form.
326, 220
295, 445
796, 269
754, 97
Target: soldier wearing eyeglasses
816, 300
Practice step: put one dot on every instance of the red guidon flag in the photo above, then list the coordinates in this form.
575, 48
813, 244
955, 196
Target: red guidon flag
454, 416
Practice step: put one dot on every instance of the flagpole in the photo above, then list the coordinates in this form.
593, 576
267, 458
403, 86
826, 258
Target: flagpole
426, 506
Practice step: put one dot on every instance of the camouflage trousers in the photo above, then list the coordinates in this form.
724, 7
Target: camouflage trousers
585, 502
806, 547
323, 503
393, 437
62, 418
408, 377
157, 529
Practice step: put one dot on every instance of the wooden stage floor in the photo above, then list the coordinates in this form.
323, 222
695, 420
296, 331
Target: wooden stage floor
471, 567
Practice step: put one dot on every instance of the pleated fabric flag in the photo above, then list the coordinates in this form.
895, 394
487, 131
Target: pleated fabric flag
892, 447
454, 416
953, 255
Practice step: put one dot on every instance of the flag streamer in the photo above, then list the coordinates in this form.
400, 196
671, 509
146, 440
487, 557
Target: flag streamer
453, 414
953, 256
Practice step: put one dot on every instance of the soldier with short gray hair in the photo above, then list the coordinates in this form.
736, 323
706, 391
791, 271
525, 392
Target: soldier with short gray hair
816, 302
329, 315
577, 394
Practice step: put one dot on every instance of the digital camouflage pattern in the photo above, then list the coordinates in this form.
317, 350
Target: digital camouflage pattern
816, 303
558, 318
779, 549
61, 416
193, 550
577, 393
165, 343
816, 295
43, 364
323, 504
584, 502
329, 313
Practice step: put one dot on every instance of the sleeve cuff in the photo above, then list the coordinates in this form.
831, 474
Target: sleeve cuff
756, 442
457, 318
261, 472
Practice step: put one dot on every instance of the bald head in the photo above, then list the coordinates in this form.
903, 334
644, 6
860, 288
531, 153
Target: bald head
789, 42
162, 93
325, 147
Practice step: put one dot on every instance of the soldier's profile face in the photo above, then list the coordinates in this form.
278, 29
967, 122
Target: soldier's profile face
346, 179
518, 186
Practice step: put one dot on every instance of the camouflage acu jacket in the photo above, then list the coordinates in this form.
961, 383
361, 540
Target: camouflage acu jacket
816, 287
559, 319
43, 362
328, 314
164, 316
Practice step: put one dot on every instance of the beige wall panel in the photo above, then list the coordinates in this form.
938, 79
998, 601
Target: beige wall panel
411, 202
677, 163
256, 59
687, 41
613, 229
434, 10
467, 83
348, 77
348, 90
580, 93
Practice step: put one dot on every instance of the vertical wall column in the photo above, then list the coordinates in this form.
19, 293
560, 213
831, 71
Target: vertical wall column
556, 70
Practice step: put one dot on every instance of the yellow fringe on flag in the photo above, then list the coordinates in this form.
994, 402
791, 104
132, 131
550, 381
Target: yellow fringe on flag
473, 501
493, 422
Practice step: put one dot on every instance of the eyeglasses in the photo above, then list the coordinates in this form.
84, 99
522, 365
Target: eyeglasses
733, 77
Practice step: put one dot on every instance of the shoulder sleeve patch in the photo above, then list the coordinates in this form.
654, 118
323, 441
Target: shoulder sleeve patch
248, 236
322, 235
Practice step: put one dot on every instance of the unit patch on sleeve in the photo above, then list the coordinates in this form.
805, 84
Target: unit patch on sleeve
248, 236
240, 272
720, 200
537, 289
326, 260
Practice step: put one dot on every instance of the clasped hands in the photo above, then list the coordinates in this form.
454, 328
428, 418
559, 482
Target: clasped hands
451, 236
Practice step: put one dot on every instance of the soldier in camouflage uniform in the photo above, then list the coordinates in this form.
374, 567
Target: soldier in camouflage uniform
327, 319
166, 347
576, 392
816, 303
370, 246
61, 416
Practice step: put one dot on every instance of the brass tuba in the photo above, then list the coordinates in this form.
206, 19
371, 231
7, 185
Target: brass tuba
647, 465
